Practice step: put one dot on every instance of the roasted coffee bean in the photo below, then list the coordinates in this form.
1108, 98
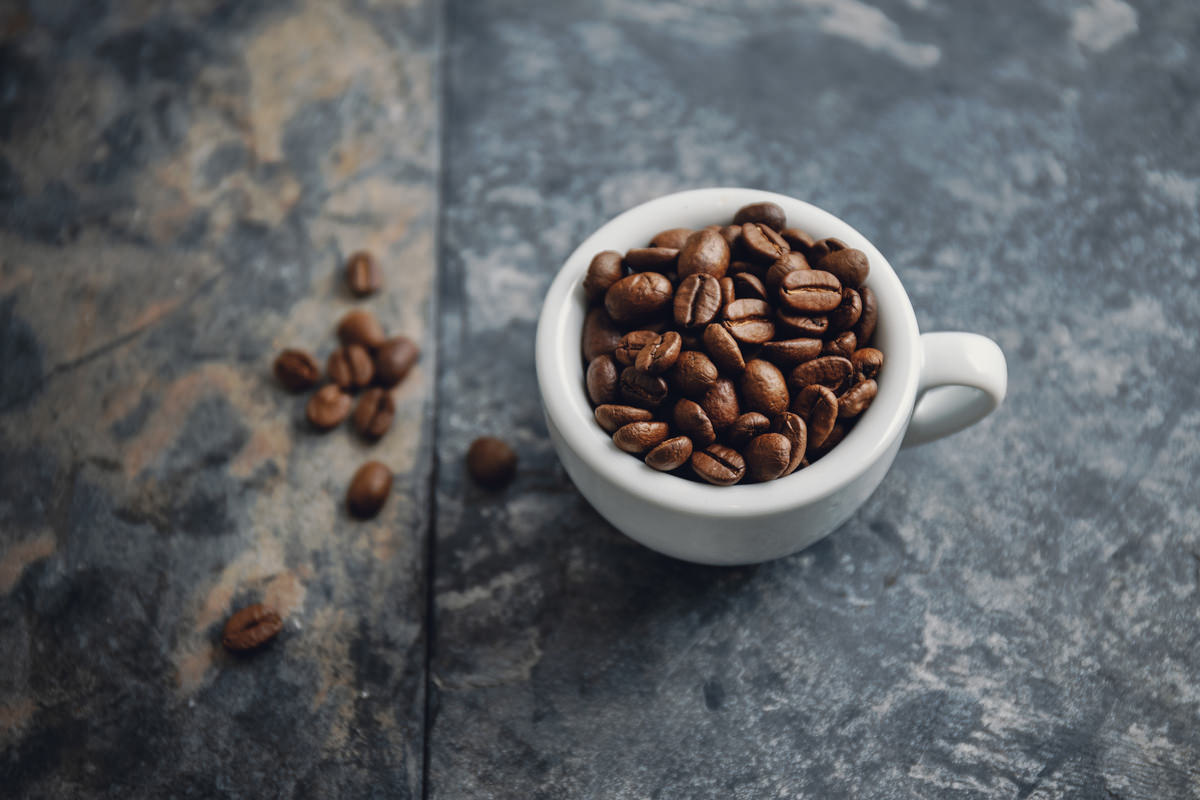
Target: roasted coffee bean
802, 325
846, 315
631, 344
641, 389
719, 465
767, 457
671, 454
836, 434
394, 359
810, 291
831, 371
818, 406
641, 437
841, 345
368, 489
850, 266
602, 380
767, 213
361, 327
297, 370
747, 286
653, 259
723, 349
705, 251
661, 354
600, 334
605, 269
693, 373
823, 247
672, 238
760, 243
798, 239
697, 300
856, 400
749, 321
790, 352
867, 362
865, 328
611, 416
374, 413
328, 407
350, 367
739, 267
728, 295
731, 234
745, 428
639, 296
491, 462
251, 627
692, 420
779, 269
764, 388
720, 403
793, 428
363, 274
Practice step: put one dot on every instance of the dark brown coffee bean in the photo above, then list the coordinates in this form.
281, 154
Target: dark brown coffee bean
641, 437
867, 362
764, 388
692, 421
831, 371
731, 234
697, 300
723, 349
745, 428
836, 434
602, 380
394, 359
491, 462
661, 354
720, 403
297, 370
856, 400
728, 295
605, 269
767, 457
841, 345
798, 239
790, 352
850, 266
757, 270
719, 465
363, 274
795, 430
705, 251
810, 291
653, 259
611, 416
251, 627
368, 489
846, 315
361, 327
673, 238
823, 247
350, 367
780, 268
374, 413
328, 407
631, 344
865, 328
693, 373
818, 406
671, 454
747, 286
767, 213
639, 296
802, 325
749, 321
638, 388
761, 243
600, 334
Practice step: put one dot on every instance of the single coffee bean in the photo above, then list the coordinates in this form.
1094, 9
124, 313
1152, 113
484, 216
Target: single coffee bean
723, 349
831, 371
350, 367
810, 291
605, 269
802, 325
705, 251
767, 457
857, 399
251, 627
491, 462
747, 286
697, 300
757, 270
767, 213
374, 413
368, 489
611, 416
361, 327
836, 434
865, 328
867, 362
661, 354
846, 315
692, 421
600, 334
394, 359
728, 295
653, 259
720, 403
693, 373
602, 380
749, 321
673, 238
719, 465
798, 239
297, 370
780, 268
817, 405
764, 388
790, 352
793, 428
641, 437
850, 266
363, 274
745, 428
638, 388
671, 454
328, 407
731, 234
631, 344
823, 247
761, 243
841, 345
639, 296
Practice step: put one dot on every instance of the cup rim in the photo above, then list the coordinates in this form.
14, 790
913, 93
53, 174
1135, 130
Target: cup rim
559, 363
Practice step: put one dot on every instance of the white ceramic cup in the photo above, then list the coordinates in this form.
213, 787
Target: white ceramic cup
931, 385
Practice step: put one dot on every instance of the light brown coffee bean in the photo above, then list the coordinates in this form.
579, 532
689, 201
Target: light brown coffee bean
767, 457
491, 462
673, 238
602, 380
780, 268
723, 349
823, 247
631, 344
720, 403
374, 413
747, 286
749, 321
638, 388
368, 489
841, 345
727, 293
865, 328
605, 269
350, 367
766, 213
849, 265
763, 244
705, 251
831, 371
764, 388
363, 274
660, 355
654, 259
251, 627
361, 327
693, 373
798, 239
328, 407
692, 421
867, 362
640, 296
641, 437
611, 416
856, 400
810, 291
817, 405
745, 428
790, 352
297, 370
671, 454
600, 334
795, 430
846, 315
394, 359
802, 325
719, 465
697, 300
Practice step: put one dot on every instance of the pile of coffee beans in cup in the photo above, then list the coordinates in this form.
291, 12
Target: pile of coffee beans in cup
732, 353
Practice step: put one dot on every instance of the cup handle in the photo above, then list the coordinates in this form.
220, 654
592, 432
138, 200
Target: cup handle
963, 379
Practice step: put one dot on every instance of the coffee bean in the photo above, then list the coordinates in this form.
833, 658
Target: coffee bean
602, 380
368, 489
639, 296
749, 321
731, 234
817, 405
846, 315
328, 407
757, 270
361, 327
631, 344
671, 454
394, 359
867, 362
766, 213
850, 266
653, 259
720, 403
719, 465
831, 371
600, 334
374, 412
865, 328
779, 269
745, 428
350, 367
836, 434
810, 291
760, 243
611, 416
297, 370
747, 286
641, 437
705, 252
673, 238
802, 325
723, 349
767, 457
638, 388
793, 428
841, 345
823, 247
251, 627
798, 239
605, 269
697, 300
764, 388
491, 462
692, 420
790, 352
693, 373
363, 274
728, 295
661, 354
856, 400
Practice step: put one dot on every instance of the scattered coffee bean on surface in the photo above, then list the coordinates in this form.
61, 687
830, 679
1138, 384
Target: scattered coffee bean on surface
491, 462
361, 327
328, 407
374, 413
393, 360
251, 627
297, 370
350, 367
368, 489
363, 274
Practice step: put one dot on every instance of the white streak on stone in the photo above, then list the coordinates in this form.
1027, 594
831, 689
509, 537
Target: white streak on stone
1176, 188
868, 26
1102, 24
